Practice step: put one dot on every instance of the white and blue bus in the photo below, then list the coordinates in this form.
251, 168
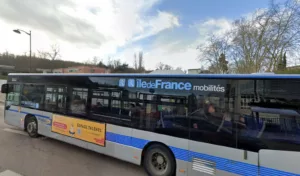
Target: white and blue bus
184, 125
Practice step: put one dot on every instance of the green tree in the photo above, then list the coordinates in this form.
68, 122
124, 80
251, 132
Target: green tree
282, 63
223, 63
101, 64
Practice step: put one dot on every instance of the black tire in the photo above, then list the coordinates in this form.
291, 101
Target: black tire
32, 127
159, 161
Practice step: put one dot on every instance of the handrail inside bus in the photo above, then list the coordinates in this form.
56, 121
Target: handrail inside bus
276, 111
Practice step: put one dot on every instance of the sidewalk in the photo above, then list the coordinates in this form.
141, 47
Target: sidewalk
2, 98
9, 173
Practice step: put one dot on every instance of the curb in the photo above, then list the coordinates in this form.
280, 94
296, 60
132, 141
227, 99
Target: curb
9, 173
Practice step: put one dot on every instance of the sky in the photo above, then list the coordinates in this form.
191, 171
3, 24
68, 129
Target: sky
167, 31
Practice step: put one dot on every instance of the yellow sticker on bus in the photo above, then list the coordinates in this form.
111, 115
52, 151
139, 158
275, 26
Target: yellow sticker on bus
89, 131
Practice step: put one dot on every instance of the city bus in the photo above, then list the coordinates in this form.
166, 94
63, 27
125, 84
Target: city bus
184, 125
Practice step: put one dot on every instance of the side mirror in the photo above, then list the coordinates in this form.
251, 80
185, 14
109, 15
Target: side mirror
4, 88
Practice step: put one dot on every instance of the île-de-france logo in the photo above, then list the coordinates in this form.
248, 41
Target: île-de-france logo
122, 82
131, 83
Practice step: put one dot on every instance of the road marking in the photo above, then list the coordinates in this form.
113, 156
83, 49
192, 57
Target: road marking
9, 173
15, 131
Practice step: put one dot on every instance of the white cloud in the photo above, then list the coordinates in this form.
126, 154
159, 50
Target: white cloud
179, 50
217, 27
82, 28
159, 23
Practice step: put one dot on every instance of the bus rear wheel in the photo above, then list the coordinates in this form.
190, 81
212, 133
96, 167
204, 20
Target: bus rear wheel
159, 161
32, 127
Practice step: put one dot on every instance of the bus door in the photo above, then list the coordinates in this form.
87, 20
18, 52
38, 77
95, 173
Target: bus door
167, 114
211, 134
12, 104
56, 98
214, 144
280, 140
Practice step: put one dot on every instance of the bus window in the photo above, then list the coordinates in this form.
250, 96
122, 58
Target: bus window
33, 96
51, 98
132, 95
13, 97
116, 94
100, 101
272, 118
116, 107
79, 100
108, 106
162, 113
211, 118
55, 99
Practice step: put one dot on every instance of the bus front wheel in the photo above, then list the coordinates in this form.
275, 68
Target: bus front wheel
32, 127
159, 161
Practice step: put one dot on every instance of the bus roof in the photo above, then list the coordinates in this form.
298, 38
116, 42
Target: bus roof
225, 76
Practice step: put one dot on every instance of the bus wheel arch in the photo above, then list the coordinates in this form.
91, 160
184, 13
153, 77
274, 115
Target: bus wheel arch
160, 147
31, 125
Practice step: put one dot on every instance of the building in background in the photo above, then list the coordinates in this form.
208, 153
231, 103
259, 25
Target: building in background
178, 71
82, 69
41, 70
197, 71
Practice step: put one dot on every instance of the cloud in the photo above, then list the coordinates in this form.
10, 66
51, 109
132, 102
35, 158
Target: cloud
159, 23
217, 27
178, 47
82, 28
46, 16
88, 28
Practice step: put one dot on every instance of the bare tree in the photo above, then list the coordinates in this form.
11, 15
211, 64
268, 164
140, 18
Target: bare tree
257, 42
285, 31
95, 61
54, 53
114, 63
141, 60
162, 66
42, 54
211, 51
168, 67
260, 42
88, 62
135, 64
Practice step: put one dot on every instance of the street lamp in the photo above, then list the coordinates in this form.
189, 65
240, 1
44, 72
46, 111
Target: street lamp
18, 31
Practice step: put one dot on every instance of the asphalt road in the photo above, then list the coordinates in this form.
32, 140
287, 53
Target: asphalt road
48, 157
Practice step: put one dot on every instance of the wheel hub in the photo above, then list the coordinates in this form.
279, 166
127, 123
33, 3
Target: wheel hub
31, 127
159, 162
160, 159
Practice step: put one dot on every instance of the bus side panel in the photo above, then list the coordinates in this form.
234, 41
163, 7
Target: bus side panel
178, 146
13, 117
119, 144
274, 162
45, 122
221, 160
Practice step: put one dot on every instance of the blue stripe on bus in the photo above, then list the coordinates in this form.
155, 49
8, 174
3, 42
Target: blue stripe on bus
224, 164
186, 155
273, 172
23, 112
12, 110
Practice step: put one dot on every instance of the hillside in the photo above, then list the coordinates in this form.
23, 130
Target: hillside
22, 63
